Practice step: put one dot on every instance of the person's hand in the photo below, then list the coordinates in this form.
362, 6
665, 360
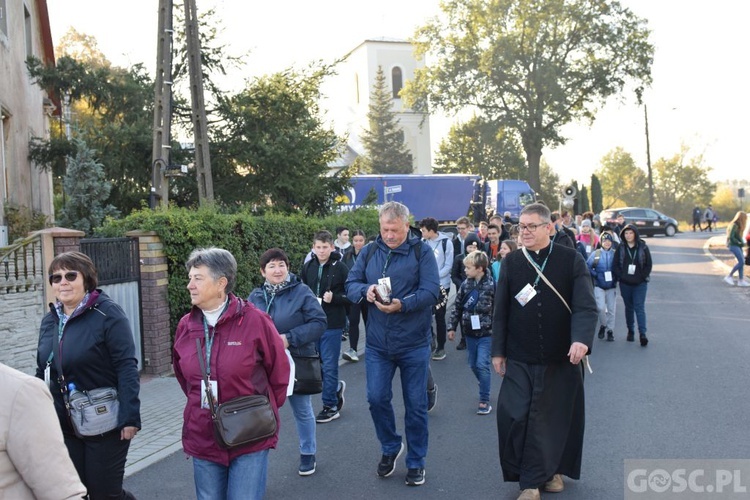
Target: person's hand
285, 339
128, 433
577, 352
499, 363
328, 297
451, 335
393, 307
371, 293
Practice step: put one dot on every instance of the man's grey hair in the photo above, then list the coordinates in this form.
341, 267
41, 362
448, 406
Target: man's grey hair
219, 262
394, 210
537, 208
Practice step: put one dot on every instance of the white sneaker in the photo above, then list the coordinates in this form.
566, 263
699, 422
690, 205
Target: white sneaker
743, 283
729, 280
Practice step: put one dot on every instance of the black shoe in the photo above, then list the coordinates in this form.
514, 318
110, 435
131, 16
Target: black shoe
431, 398
610, 336
461, 345
344, 337
340, 395
601, 331
631, 336
388, 463
644, 340
415, 477
327, 414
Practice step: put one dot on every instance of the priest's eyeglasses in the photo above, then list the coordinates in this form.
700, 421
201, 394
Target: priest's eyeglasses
530, 227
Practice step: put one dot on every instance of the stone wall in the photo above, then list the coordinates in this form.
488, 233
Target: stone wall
19, 328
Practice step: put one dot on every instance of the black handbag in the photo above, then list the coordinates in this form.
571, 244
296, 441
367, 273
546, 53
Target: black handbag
241, 420
308, 378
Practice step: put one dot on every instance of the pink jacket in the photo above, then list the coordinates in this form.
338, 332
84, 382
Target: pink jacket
247, 357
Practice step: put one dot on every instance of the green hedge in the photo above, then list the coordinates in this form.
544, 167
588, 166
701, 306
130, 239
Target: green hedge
245, 235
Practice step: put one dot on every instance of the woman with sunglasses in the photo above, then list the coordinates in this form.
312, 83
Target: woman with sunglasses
92, 338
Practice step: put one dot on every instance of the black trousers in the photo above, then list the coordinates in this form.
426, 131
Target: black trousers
355, 311
100, 462
441, 327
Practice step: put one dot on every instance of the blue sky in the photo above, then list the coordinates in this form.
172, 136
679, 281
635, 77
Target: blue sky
699, 96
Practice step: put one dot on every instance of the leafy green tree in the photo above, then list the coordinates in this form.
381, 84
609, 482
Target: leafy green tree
577, 198
551, 188
532, 65
681, 182
596, 194
482, 148
87, 191
273, 148
386, 152
111, 109
622, 182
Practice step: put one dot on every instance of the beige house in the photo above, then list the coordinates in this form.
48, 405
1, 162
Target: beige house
349, 97
25, 108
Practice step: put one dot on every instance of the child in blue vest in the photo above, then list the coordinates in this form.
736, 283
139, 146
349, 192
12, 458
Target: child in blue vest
473, 308
605, 285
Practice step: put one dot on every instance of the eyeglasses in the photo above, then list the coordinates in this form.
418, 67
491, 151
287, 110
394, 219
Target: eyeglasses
530, 227
54, 279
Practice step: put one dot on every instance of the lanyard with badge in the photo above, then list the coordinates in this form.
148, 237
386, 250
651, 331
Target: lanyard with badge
209, 345
529, 291
633, 255
384, 283
320, 278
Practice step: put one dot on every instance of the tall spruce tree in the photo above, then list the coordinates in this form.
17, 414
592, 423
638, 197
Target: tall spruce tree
86, 190
597, 205
386, 152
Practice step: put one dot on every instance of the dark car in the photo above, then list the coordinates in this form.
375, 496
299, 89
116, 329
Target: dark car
648, 221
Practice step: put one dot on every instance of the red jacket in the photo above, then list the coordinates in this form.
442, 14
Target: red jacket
247, 357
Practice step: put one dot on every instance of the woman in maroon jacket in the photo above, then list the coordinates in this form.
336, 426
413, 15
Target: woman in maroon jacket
245, 356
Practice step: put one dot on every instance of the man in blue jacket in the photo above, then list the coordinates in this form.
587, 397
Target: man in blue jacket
399, 280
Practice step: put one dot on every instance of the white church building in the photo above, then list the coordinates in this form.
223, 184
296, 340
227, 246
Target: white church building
348, 98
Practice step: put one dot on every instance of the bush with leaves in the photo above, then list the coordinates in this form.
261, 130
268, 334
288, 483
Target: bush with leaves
245, 235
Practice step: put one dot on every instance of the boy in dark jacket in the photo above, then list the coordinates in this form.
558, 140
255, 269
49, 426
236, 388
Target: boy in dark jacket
600, 265
325, 274
473, 308
458, 273
632, 268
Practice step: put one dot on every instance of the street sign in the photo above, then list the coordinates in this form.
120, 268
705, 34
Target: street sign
393, 189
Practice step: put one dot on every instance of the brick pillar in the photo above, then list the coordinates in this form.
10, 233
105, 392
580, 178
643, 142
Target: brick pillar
157, 342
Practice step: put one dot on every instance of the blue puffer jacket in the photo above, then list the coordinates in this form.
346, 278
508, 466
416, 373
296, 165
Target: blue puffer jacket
414, 282
606, 261
296, 313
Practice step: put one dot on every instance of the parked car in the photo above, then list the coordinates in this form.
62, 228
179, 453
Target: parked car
648, 221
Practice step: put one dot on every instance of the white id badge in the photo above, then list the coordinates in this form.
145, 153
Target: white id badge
320, 300
607, 275
631, 269
588, 249
214, 392
46, 376
526, 294
475, 325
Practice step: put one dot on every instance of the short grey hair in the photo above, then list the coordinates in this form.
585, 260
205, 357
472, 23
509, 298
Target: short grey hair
394, 210
219, 262
537, 208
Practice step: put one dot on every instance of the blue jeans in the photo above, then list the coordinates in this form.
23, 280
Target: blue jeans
329, 347
244, 479
380, 369
634, 297
478, 349
740, 266
305, 419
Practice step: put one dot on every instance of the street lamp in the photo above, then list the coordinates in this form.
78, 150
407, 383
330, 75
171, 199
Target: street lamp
648, 162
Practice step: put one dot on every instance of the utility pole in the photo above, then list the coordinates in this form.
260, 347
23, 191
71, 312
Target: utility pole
161, 147
648, 162
200, 137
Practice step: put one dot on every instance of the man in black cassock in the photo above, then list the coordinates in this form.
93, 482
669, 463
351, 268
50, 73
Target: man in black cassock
539, 342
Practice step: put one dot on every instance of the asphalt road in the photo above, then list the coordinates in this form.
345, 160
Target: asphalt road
682, 397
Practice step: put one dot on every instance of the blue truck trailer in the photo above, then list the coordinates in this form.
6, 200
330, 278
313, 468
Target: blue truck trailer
446, 197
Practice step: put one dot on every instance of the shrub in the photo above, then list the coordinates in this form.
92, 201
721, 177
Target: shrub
245, 235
